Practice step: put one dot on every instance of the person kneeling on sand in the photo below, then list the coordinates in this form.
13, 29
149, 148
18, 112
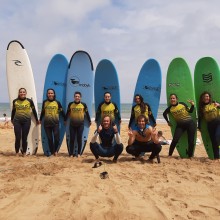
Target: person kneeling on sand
107, 132
143, 139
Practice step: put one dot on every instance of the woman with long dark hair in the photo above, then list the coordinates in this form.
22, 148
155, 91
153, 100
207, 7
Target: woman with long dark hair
141, 108
184, 122
51, 109
210, 112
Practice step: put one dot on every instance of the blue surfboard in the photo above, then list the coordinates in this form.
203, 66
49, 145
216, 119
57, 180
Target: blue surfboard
55, 79
149, 86
80, 78
106, 80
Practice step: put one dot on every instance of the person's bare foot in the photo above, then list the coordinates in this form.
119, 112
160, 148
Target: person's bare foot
55, 154
17, 154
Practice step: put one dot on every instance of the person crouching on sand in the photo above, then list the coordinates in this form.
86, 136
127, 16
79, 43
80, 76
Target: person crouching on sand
107, 131
143, 139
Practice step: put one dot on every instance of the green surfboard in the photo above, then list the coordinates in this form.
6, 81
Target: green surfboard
207, 78
179, 82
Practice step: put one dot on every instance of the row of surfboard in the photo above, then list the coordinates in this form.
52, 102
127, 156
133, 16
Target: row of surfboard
179, 81
77, 75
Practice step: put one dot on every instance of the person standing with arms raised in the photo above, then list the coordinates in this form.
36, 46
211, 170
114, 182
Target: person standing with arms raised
184, 122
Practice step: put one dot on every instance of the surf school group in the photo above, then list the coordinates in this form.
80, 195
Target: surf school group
70, 87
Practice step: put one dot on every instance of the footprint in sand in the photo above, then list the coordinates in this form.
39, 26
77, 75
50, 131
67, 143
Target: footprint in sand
211, 210
197, 213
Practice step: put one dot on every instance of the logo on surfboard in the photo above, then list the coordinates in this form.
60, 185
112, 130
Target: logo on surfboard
207, 78
174, 84
58, 83
17, 62
75, 81
152, 88
109, 87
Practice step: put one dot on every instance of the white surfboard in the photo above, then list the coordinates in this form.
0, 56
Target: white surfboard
20, 75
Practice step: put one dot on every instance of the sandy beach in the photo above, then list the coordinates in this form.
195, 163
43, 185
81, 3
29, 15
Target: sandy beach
37, 187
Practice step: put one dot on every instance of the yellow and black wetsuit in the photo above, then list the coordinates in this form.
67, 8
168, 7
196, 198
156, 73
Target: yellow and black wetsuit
210, 112
21, 110
136, 111
107, 109
21, 118
76, 113
181, 113
50, 112
211, 115
51, 109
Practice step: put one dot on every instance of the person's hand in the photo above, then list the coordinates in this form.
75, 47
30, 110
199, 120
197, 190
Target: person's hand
130, 133
154, 131
99, 128
169, 124
190, 101
216, 104
38, 122
115, 128
119, 121
90, 123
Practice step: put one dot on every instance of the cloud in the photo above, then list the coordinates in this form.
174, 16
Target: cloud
126, 32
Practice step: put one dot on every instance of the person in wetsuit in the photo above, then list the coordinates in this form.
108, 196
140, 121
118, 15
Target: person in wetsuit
210, 112
184, 122
141, 108
143, 139
51, 109
21, 119
107, 107
107, 132
76, 112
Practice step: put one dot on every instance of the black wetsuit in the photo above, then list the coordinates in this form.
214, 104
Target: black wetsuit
184, 122
138, 147
21, 118
50, 112
106, 148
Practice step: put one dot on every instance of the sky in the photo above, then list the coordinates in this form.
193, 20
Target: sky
127, 32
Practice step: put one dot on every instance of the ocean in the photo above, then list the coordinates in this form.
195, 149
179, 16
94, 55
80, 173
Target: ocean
125, 111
